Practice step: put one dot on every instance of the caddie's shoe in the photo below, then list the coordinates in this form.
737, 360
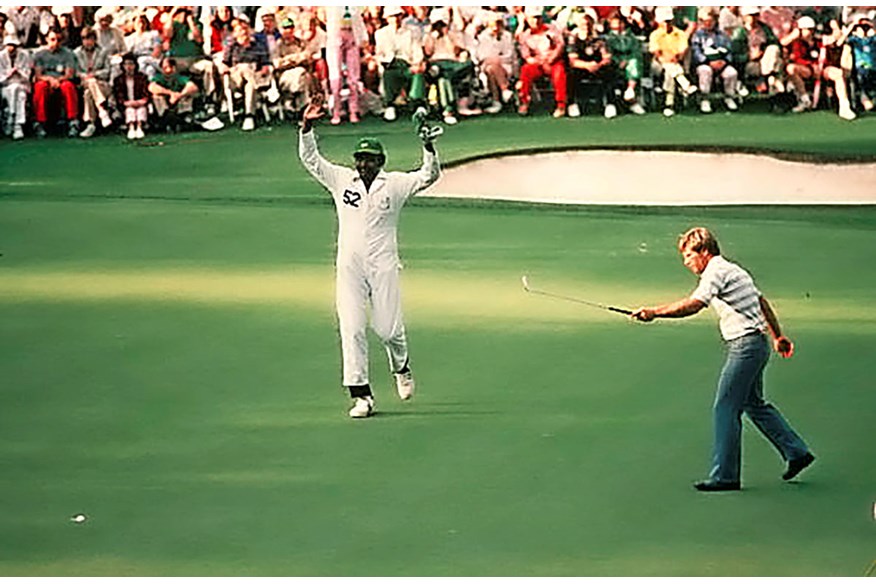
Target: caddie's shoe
404, 384
715, 486
797, 465
363, 407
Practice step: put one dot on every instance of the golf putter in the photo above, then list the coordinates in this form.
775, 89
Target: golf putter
532, 290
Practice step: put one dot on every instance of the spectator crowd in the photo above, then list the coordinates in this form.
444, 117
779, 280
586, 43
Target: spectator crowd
83, 70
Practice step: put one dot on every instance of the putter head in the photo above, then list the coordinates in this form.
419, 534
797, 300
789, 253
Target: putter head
525, 281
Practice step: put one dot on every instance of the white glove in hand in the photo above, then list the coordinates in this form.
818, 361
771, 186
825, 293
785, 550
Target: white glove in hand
428, 134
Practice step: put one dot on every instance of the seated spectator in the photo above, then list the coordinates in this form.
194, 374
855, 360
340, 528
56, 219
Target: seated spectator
131, 91
145, 44
308, 30
542, 49
626, 54
780, 19
402, 59
184, 41
668, 46
109, 38
54, 72
221, 26
710, 50
293, 65
16, 66
71, 33
269, 35
248, 66
590, 61
24, 21
94, 74
861, 44
803, 59
498, 58
173, 95
757, 52
448, 64
830, 63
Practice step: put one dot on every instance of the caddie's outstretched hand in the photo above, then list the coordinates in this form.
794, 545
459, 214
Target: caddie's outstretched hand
426, 133
314, 109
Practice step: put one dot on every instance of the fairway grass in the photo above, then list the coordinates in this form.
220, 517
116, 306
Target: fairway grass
170, 368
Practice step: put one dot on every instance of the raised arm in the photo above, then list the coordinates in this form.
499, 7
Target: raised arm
328, 174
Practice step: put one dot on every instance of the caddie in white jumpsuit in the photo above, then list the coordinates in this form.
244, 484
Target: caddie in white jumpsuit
368, 201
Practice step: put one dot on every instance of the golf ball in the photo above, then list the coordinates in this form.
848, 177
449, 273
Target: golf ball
80, 518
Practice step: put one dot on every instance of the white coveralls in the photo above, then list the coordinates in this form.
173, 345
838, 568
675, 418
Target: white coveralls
367, 261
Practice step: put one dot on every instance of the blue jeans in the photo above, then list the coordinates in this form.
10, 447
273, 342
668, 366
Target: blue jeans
740, 389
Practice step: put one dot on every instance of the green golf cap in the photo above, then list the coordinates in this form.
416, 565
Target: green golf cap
369, 146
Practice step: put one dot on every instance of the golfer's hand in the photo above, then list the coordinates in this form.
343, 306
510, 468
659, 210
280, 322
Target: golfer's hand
643, 314
314, 109
784, 347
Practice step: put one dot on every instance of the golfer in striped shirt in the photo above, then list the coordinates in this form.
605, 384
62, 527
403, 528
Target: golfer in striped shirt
745, 319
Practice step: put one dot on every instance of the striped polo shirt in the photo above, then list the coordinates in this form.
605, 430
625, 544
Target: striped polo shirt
732, 293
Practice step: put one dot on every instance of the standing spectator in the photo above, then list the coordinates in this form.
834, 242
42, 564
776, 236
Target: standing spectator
248, 66
542, 49
94, 74
626, 54
131, 90
590, 61
173, 95
345, 34
832, 70
746, 319
668, 46
54, 71
711, 55
293, 65
16, 66
145, 44
401, 56
498, 58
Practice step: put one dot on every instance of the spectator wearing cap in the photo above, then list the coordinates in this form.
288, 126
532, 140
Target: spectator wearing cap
16, 67
269, 34
861, 48
293, 66
248, 66
402, 59
626, 55
448, 63
131, 91
542, 49
54, 71
145, 44
498, 60
710, 56
345, 35
757, 52
668, 46
803, 62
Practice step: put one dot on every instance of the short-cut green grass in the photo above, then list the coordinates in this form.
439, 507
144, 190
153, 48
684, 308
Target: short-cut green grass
169, 366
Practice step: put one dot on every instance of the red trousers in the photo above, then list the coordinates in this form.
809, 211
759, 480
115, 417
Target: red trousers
530, 72
41, 92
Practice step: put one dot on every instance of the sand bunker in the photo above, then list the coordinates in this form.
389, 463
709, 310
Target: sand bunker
658, 178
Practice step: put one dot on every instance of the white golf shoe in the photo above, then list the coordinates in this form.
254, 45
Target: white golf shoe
404, 384
363, 407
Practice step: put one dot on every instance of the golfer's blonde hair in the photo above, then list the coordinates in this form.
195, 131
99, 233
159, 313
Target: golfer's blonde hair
699, 239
